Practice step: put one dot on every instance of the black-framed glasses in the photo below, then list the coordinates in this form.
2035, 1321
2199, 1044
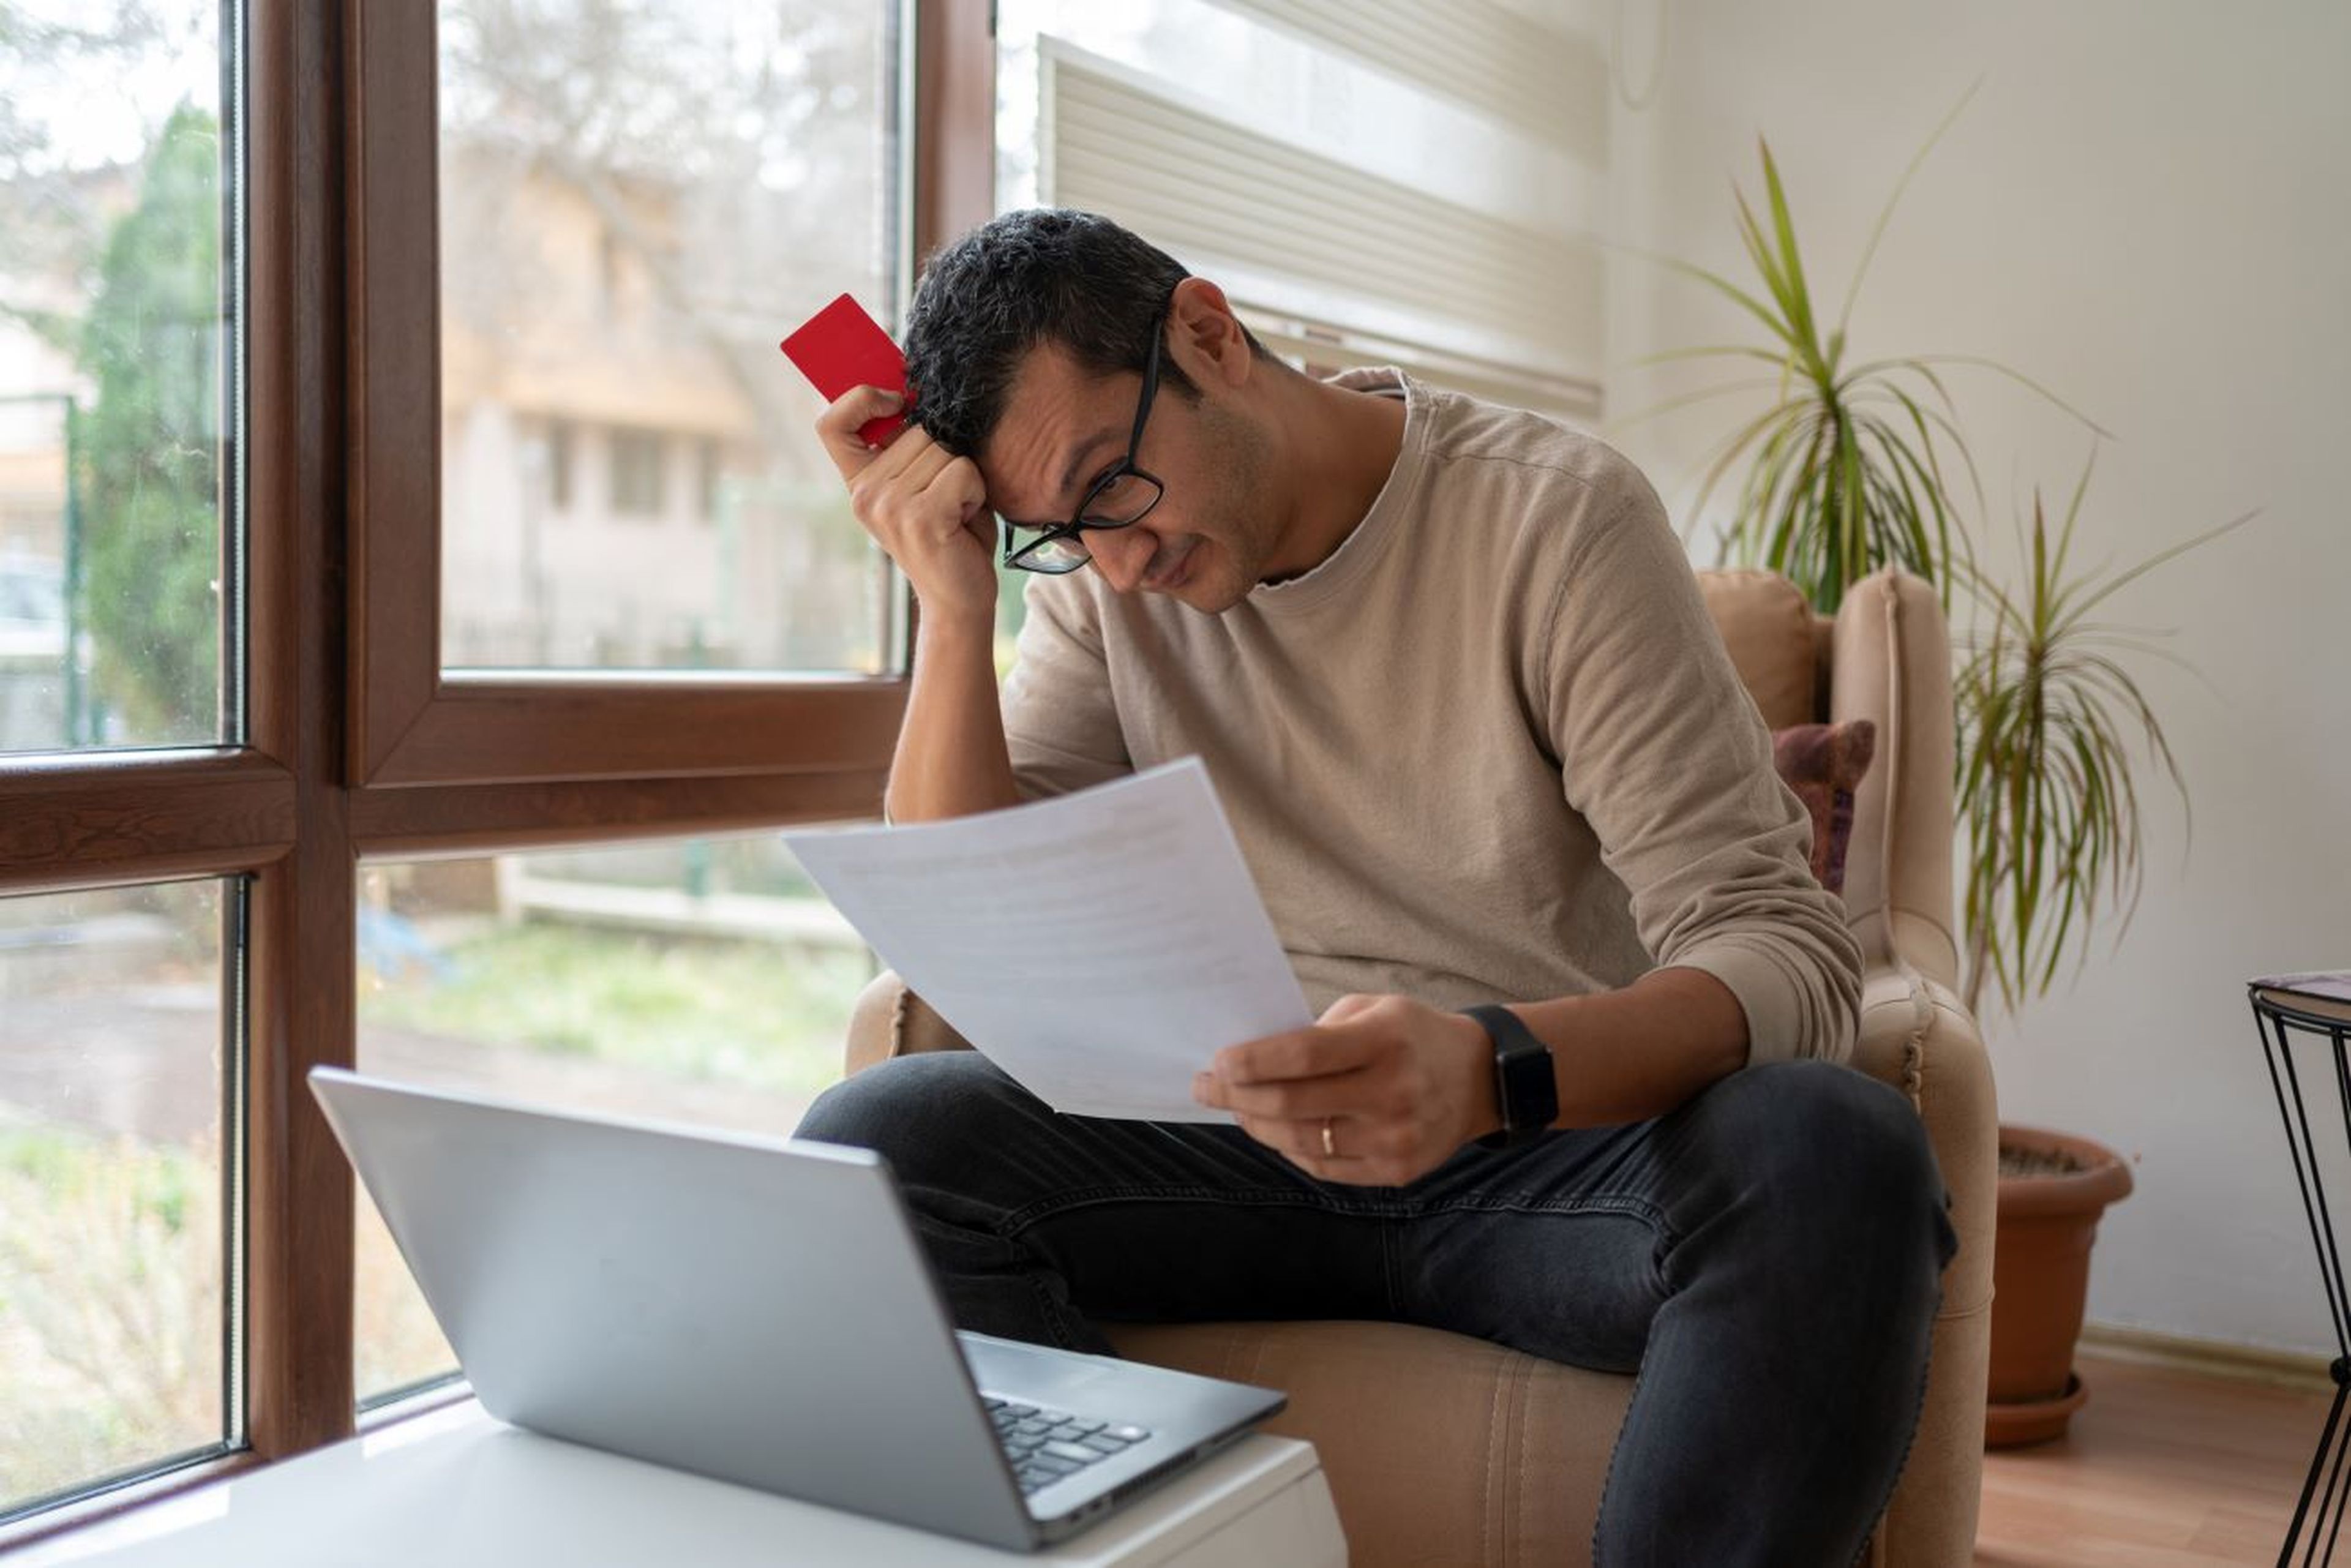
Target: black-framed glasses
1119, 498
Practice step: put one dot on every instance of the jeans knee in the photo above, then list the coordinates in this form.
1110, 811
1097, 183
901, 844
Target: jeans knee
916, 1109
1834, 1143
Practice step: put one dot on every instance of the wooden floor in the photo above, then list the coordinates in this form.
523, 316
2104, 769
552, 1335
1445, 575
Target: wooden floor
2162, 1468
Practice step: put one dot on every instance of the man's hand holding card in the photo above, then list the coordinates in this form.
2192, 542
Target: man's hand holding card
924, 505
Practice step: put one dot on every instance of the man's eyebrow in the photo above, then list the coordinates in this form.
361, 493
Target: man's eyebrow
1084, 454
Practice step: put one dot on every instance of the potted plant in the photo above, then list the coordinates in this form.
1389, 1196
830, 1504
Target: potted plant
2048, 804
1847, 470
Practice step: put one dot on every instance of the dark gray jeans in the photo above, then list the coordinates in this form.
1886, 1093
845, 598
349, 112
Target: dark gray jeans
1768, 1258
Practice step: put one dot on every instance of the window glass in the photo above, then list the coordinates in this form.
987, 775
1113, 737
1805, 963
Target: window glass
637, 473
559, 464
710, 474
639, 199
704, 981
113, 1254
117, 373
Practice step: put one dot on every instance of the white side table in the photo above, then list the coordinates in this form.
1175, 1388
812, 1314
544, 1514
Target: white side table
458, 1489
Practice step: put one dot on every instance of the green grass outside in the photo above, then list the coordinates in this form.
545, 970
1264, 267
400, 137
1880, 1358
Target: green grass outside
730, 1012
109, 1305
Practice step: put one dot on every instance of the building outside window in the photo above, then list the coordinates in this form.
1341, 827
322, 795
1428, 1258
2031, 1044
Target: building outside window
637, 489
559, 458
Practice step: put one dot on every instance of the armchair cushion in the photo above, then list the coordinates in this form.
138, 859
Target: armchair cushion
1823, 764
1768, 628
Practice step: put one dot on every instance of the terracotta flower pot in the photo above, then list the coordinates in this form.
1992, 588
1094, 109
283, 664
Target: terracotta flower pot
2041, 1275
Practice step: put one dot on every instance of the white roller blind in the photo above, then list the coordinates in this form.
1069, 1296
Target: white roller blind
1342, 173
1548, 80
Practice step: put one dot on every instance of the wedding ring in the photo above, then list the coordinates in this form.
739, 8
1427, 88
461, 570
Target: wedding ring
1330, 1145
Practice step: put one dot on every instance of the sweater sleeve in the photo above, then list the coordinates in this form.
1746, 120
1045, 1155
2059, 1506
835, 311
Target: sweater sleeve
1061, 723
1663, 753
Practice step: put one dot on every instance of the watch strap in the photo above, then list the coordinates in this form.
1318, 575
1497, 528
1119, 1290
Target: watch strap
1525, 1092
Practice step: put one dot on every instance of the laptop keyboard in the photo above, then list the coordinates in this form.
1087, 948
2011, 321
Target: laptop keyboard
1045, 1445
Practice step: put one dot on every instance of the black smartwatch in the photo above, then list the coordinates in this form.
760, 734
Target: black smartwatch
1524, 1089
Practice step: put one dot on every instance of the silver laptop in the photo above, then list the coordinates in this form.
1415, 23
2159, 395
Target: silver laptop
756, 1310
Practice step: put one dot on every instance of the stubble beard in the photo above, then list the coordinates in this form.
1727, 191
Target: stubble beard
1245, 533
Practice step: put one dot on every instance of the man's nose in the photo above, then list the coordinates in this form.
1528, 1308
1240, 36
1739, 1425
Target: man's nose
1122, 555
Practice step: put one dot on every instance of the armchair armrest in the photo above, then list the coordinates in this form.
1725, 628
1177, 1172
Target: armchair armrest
891, 1020
1916, 1035
1890, 659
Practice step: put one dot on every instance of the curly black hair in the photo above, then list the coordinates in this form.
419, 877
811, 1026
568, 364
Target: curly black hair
1040, 275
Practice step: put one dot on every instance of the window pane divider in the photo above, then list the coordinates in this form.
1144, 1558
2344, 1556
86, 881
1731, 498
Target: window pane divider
490, 819
483, 733
106, 820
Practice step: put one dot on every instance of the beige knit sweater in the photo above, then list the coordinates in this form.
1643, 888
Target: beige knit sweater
1492, 749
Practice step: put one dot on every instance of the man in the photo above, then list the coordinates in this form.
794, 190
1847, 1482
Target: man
1480, 744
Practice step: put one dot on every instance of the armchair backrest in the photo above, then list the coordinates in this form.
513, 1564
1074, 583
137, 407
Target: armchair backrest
1885, 657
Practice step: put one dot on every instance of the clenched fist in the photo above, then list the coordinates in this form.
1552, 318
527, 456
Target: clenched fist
925, 506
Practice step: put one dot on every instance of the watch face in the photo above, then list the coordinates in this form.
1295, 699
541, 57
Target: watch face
1527, 1093
1530, 1094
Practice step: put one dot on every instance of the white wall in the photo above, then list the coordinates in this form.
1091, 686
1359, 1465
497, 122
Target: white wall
2146, 207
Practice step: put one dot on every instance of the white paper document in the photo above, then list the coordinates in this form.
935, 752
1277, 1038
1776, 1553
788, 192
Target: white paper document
1100, 946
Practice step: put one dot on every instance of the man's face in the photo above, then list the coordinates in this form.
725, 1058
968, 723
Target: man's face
1215, 526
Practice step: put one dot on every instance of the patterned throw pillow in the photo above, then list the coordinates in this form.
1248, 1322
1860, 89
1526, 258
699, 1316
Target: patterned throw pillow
1823, 764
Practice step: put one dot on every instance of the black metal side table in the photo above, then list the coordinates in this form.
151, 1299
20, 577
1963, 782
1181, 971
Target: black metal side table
2318, 1005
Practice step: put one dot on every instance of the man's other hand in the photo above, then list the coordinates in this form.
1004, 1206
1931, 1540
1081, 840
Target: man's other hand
925, 506
1399, 1086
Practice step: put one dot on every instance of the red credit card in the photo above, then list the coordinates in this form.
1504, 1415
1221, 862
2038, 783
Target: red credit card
842, 346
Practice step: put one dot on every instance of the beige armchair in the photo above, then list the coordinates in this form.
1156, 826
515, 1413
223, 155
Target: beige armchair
1527, 1440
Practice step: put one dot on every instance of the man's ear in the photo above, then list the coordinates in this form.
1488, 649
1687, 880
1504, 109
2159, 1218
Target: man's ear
1208, 336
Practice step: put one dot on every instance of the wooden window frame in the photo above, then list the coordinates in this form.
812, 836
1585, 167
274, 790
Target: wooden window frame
357, 747
413, 724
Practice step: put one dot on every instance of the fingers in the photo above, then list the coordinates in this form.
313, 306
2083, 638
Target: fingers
1302, 1141
1362, 1155
888, 495
912, 465
1310, 1052
1368, 1121
960, 485
958, 479
908, 467
1355, 1093
1353, 1005
910, 451
838, 426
